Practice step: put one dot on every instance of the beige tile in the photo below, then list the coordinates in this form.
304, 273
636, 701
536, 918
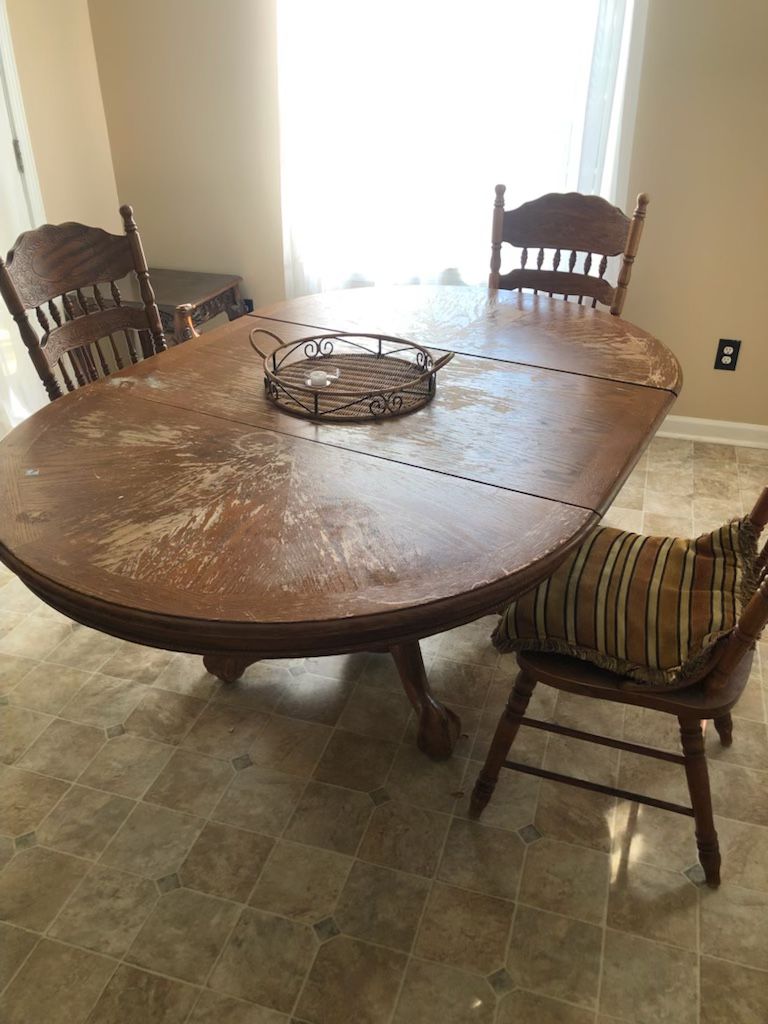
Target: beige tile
464, 929
381, 906
213, 1008
744, 849
357, 762
18, 730
484, 859
556, 956
582, 760
380, 671
513, 804
314, 698
734, 925
84, 821
15, 946
301, 882
647, 983
48, 687
652, 728
526, 1006
106, 911
63, 749
265, 960
290, 745
575, 815
7, 850
565, 879
456, 682
669, 452
739, 793
628, 519
657, 525
26, 798
135, 997
351, 983
35, 636
405, 837
153, 841
166, 717
376, 712
348, 667
660, 779
330, 817
35, 994
225, 861
732, 994
190, 782
436, 994
469, 644
259, 688
127, 765
225, 731
601, 716
13, 670
131, 661
260, 799
652, 836
103, 702
184, 934
84, 649
528, 748
654, 903
631, 494
750, 745
16, 598
186, 674
36, 884
419, 780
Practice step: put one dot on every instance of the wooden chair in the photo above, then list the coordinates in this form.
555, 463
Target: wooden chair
711, 698
567, 223
48, 270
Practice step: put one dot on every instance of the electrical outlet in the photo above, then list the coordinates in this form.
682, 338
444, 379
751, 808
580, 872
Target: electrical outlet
727, 354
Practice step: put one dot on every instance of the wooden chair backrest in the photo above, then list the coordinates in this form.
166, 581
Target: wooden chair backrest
573, 224
49, 270
752, 620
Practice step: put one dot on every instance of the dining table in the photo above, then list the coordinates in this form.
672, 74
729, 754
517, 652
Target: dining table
173, 504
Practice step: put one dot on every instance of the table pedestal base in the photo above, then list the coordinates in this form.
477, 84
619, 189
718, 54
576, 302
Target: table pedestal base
439, 727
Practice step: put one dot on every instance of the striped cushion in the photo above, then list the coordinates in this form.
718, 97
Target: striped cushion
650, 608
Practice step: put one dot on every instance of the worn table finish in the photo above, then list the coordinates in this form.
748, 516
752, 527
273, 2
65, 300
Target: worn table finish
173, 505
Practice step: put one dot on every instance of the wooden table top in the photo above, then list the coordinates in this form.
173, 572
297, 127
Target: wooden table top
173, 504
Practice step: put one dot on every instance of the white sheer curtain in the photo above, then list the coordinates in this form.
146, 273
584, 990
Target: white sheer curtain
398, 118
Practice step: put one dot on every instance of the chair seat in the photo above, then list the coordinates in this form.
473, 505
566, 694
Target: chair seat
577, 676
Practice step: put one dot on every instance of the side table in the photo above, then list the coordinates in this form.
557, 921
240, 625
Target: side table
207, 294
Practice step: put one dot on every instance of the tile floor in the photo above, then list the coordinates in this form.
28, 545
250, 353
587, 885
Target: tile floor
178, 851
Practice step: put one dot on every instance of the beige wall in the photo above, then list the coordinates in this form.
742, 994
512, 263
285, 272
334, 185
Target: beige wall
53, 48
701, 151
190, 93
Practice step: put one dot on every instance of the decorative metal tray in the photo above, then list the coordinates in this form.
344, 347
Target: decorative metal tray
345, 376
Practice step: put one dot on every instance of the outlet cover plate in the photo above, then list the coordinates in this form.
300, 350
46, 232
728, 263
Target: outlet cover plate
727, 354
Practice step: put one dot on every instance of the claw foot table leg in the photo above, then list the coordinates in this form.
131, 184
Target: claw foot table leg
439, 727
227, 667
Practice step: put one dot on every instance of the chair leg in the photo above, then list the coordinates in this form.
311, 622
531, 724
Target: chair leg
724, 726
506, 730
692, 738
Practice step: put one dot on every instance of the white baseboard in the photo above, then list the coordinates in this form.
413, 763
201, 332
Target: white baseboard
690, 428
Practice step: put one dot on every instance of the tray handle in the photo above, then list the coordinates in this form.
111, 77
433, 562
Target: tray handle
255, 347
440, 363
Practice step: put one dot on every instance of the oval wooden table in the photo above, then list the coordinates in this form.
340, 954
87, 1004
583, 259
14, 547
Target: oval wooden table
174, 506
